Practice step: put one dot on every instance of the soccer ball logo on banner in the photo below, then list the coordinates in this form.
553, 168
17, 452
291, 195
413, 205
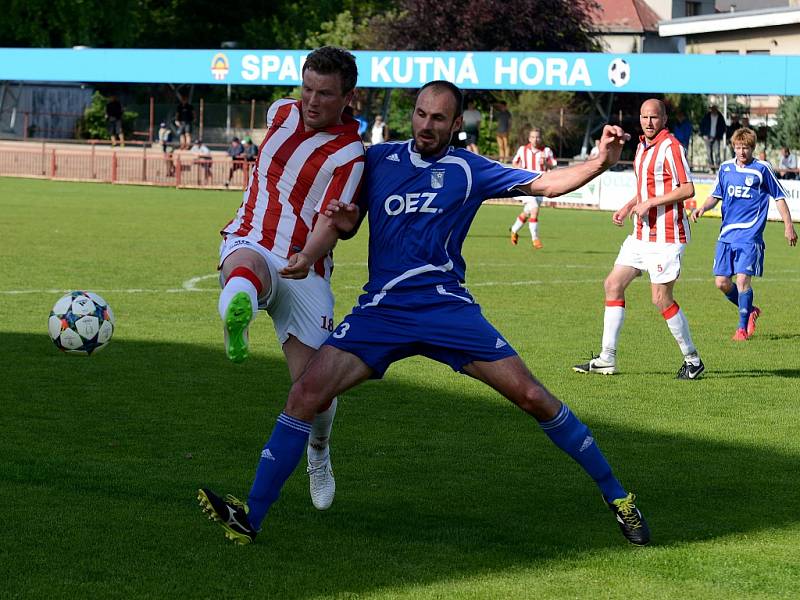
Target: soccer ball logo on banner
619, 72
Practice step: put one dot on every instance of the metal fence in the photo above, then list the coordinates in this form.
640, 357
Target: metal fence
177, 169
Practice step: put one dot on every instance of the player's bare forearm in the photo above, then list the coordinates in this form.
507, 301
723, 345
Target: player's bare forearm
562, 181
346, 218
619, 216
683, 192
710, 203
319, 242
788, 225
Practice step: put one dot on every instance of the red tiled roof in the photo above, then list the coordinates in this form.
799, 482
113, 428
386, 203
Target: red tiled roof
633, 16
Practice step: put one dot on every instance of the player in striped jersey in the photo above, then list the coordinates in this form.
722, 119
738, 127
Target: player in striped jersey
311, 155
660, 233
534, 156
745, 187
421, 196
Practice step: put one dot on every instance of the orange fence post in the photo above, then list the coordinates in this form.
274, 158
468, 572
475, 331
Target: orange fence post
178, 171
94, 171
144, 163
53, 163
152, 119
114, 167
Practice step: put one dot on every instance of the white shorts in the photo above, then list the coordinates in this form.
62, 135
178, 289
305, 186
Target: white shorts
530, 203
661, 260
299, 307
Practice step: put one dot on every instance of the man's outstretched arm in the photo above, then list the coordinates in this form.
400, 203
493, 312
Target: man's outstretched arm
562, 181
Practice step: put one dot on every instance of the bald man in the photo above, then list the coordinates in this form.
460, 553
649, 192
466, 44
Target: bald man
660, 234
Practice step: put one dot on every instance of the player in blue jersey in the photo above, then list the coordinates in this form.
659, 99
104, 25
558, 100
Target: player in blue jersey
421, 197
745, 187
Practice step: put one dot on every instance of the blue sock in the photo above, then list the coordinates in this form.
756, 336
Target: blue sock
279, 458
745, 307
733, 295
573, 437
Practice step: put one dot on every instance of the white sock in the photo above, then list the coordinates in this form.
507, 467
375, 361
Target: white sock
517, 225
534, 227
318, 449
679, 328
613, 318
233, 287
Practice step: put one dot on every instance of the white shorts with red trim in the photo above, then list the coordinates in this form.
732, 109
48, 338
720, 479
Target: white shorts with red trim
661, 260
530, 203
299, 307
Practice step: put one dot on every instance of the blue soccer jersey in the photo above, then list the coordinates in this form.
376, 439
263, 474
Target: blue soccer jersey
745, 193
416, 236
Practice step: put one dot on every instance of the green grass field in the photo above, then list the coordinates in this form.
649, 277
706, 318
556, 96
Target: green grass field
444, 489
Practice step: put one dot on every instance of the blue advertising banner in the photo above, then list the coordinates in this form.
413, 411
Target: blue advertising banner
598, 72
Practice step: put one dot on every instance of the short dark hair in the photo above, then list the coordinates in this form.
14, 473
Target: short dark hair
329, 60
443, 85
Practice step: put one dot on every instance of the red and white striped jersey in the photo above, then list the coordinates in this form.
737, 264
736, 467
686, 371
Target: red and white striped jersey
531, 158
297, 174
660, 168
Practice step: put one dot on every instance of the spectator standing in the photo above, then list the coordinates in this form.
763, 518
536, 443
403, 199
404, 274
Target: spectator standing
503, 118
787, 169
379, 132
114, 121
712, 128
236, 152
682, 129
184, 117
472, 124
165, 138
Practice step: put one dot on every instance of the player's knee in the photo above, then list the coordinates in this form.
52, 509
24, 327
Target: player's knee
303, 402
723, 284
537, 401
613, 288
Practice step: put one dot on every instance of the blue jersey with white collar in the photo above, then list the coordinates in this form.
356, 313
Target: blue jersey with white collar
420, 211
745, 193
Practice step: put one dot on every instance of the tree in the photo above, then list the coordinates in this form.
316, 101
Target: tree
787, 131
487, 25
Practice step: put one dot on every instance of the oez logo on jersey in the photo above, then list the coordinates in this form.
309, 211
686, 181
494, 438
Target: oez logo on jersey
739, 191
410, 203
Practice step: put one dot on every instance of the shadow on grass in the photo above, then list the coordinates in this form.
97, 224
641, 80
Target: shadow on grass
726, 374
103, 456
782, 336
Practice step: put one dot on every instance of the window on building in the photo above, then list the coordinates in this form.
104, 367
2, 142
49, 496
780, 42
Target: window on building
766, 52
693, 8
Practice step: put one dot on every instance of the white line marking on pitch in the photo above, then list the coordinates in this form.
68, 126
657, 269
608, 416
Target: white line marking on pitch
190, 285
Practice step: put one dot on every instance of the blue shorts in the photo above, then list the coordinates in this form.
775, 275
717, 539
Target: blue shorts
734, 259
442, 322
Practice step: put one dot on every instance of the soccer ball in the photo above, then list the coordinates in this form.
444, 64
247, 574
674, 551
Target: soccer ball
81, 323
619, 72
